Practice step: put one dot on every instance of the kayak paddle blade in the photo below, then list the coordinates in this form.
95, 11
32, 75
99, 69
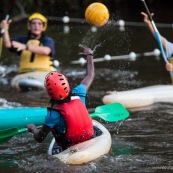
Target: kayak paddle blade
7, 134
111, 112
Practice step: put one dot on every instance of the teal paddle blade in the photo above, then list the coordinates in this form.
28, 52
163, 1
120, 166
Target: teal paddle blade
111, 112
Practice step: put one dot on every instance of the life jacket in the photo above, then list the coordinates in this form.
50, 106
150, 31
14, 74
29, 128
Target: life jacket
171, 73
78, 122
34, 62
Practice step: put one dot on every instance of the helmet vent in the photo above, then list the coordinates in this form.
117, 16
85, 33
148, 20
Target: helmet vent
57, 85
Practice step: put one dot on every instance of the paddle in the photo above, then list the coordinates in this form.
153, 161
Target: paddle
111, 112
7, 134
155, 31
1, 33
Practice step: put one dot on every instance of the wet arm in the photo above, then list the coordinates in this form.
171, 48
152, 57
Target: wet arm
90, 72
6, 36
43, 50
150, 27
39, 134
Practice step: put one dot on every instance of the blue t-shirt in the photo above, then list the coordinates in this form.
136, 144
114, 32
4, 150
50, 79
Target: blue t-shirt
169, 49
45, 41
56, 119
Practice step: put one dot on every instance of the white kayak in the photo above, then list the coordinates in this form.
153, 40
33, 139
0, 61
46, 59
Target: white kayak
86, 151
29, 81
141, 97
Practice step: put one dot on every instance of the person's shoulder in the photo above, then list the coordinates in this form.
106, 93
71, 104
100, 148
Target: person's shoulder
81, 88
47, 38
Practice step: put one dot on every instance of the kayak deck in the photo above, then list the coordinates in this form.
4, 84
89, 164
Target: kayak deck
86, 151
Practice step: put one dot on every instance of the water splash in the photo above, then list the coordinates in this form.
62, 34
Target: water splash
118, 126
5, 104
98, 45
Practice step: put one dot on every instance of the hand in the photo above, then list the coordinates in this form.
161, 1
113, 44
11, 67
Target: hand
169, 67
18, 46
5, 24
31, 127
86, 51
146, 19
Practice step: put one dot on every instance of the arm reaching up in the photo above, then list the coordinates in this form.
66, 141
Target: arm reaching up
90, 73
150, 27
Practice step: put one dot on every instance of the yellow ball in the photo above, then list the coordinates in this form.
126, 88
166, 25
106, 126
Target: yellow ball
97, 14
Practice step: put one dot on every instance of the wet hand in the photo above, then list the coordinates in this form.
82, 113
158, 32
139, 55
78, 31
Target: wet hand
31, 127
5, 24
146, 19
85, 50
18, 46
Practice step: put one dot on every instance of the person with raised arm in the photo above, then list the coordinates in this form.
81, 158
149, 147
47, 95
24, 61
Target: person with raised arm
168, 46
67, 116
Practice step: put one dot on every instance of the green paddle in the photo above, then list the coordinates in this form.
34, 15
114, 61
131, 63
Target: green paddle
111, 112
7, 134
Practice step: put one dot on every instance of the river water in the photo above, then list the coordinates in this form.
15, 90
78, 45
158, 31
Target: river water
141, 143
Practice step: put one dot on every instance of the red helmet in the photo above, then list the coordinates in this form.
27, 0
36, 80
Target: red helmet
57, 85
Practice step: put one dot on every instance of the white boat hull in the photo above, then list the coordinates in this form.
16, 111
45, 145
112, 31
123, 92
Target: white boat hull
85, 151
141, 97
29, 81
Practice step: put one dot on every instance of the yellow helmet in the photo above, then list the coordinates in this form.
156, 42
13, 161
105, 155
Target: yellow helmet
38, 16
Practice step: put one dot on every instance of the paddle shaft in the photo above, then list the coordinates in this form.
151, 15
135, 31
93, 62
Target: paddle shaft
156, 31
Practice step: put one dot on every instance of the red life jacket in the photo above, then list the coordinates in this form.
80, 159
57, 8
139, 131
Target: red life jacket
78, 121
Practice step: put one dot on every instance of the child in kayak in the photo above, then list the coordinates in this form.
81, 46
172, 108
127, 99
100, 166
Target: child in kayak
67, 117
168, 46
36, 50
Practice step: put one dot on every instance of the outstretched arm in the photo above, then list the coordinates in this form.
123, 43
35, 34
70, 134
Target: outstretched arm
6, 38
39, 134
42, 50
90, 73
169, 66
150, 27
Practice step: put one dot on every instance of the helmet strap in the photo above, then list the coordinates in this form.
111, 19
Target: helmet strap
66, 100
